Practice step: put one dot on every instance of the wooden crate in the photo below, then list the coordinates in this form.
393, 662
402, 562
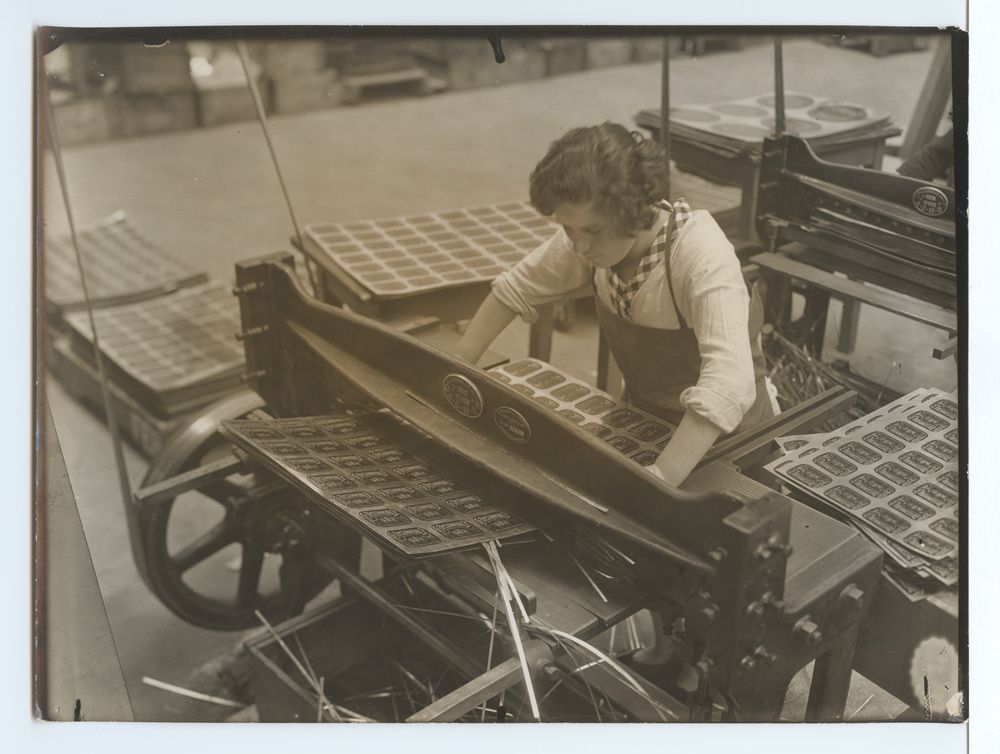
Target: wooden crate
95, 67
87, 120
218, 105
471, 69
307, 91
153, 113
287, 57
700, 44
155, 70
648, 49
563, 55
603, 53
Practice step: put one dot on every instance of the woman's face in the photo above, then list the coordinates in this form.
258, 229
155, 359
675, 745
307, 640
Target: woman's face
593, 236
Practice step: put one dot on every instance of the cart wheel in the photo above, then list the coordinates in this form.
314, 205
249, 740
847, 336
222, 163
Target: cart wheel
216, 554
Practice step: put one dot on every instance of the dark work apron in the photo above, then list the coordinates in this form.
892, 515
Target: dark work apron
660, 364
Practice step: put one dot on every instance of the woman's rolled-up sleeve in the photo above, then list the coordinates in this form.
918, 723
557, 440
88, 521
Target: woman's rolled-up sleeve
549, 273
713, 297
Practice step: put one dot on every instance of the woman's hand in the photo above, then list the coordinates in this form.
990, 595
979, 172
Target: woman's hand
694, 436
489, 321
655, 471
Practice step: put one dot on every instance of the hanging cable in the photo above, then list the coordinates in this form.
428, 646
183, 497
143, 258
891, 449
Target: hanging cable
779, 88
116, 440
258, 104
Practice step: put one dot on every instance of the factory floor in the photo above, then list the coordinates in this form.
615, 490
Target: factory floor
211, 196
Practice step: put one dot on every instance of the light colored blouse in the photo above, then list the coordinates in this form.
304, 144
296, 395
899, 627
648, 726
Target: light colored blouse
711, 297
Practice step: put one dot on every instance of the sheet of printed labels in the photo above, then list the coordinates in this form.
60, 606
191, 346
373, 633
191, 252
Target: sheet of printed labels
895, 474
385, 479
367, 469
630, 431
401, 256
120, 260
169, 345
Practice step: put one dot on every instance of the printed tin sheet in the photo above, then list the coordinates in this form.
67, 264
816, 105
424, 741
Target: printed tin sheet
747, 121
171, 342
401, 256
120, 263
632, 432
896, 471
368, 470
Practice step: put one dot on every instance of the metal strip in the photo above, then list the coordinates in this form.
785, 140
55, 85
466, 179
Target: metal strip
125, 486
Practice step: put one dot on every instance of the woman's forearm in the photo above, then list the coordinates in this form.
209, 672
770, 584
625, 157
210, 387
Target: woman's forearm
489, 321
689, 444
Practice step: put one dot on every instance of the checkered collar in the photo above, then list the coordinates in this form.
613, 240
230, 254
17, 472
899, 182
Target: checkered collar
623, 292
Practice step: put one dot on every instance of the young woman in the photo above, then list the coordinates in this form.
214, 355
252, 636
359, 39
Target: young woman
671, 300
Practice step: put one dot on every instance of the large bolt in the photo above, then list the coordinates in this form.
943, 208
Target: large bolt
710, 612
755, 610
760, 653
717, 555
247, 288
852, 597
806, 631
748, 663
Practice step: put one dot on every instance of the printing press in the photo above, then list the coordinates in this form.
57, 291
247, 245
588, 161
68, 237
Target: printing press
356, 428
763, 584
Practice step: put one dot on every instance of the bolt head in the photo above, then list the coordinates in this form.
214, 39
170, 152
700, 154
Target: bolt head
808, 632
853, 596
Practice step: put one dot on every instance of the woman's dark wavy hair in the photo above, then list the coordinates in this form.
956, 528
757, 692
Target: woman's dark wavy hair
619, 171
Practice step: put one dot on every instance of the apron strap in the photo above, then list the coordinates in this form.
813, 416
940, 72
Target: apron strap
667, 272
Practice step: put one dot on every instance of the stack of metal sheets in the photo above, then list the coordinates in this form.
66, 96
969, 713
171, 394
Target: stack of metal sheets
385, 479
735, 126
402, 256
894, 473
120, 262
173, 353
635, 433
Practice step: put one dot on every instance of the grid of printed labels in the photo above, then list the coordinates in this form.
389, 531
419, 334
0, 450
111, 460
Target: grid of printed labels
405, 255
370, 470
634, 433
119, 261
173, 341
895, 474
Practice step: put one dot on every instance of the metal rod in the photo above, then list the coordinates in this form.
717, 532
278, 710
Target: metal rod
368, 591
779, 89
665, 106
124, 484
189, 480
258, 104
800, 418
466, 698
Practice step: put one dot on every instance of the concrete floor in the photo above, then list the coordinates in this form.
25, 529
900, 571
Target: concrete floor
211, 195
